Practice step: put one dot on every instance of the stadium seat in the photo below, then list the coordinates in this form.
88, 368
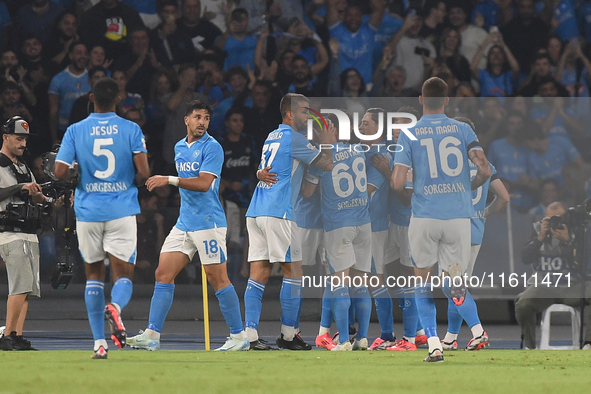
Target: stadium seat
575, 324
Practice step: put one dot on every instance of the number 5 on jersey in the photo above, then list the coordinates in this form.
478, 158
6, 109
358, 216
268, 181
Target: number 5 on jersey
98, 151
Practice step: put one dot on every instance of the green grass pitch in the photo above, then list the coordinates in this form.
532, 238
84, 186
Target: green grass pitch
487, 371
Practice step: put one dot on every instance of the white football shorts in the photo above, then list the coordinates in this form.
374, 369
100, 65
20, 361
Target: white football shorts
443, 241
210, 243
272, 239
117, 237
312, 241
398, 247
378, 251
349, 247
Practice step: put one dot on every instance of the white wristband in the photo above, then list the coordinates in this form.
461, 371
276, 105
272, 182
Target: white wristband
173, 180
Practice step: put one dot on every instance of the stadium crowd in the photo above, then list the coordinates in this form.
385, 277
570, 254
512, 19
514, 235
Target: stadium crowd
519, 69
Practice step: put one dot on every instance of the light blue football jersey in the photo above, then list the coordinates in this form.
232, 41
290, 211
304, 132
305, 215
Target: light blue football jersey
306, 212
68, 87
286, 152
399, 213
378, 200
344, 189
200, 210
479, 200
104, 145
441, 173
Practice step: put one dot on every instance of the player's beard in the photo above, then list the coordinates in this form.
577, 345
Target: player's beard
198, 133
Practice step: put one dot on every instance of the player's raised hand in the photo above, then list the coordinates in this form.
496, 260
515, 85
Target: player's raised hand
334, 46
266, 176
156, 181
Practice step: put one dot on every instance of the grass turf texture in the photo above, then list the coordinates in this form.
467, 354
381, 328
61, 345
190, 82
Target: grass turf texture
487, 371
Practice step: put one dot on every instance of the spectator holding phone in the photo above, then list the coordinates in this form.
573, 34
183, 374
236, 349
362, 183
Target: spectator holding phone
413, 53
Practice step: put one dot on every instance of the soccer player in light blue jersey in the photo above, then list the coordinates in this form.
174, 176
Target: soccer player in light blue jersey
307, 226
200, 228
437, 150
378, 188
269, 222
481, 212
106, 148
347, 235
397, 252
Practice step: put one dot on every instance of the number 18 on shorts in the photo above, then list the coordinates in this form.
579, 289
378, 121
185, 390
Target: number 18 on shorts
210, 243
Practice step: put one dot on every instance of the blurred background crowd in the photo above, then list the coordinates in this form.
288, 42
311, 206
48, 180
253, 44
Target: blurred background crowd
519, 69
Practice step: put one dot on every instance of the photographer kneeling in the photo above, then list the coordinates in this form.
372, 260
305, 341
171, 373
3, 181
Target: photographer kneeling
550, 252
20, 213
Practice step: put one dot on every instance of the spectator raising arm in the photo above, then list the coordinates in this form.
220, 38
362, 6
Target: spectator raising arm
574, 47
321, 58
333, 15
395, 39
311, 9
378, 8
572, 122
490, 39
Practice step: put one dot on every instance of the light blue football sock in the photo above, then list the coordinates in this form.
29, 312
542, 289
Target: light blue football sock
468, 310
326, 317
94, 298
230, 306
340, 309
290, 296
160, 305
361, 299
297, 321
384, 306
351, 313
426, 309
121, 292
253, 303
454, 319
410, 314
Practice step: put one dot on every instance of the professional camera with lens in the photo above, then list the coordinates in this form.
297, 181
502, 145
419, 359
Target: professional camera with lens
579, 214
556, 222
56, 187
25, 216
63, 273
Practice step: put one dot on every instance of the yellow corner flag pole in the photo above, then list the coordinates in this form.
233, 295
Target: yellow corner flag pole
205, 307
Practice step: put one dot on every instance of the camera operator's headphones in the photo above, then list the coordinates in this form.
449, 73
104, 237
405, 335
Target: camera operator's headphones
16, 125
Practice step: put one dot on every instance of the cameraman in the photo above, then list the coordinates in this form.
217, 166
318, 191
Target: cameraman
550, 252
19, 247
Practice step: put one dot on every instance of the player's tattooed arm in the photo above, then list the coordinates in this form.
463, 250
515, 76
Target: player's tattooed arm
484, 171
